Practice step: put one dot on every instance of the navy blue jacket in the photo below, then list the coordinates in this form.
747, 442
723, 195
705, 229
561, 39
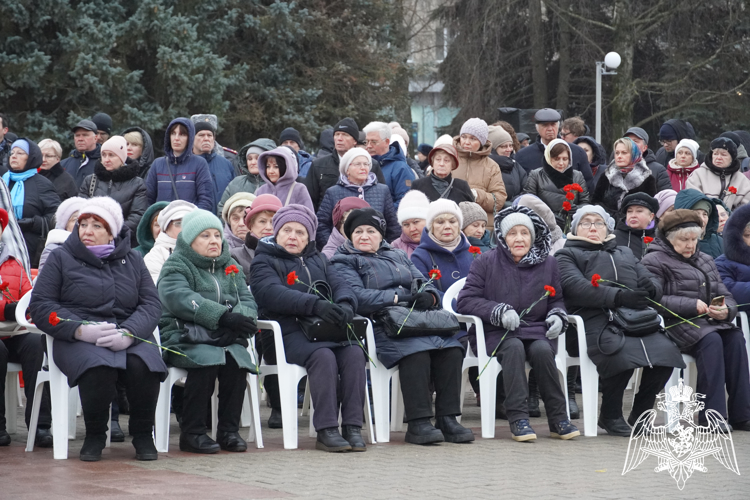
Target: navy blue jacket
79, 165
78, 286
281, 302
398, 173
452, 265
190, 173
734, 264
376, 278
222, 172
304, 159
532, 157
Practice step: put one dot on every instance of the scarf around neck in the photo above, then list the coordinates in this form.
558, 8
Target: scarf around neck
451, 245
18, 193
102, 251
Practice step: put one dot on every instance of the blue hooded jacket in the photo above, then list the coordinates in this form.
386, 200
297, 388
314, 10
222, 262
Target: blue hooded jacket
185, 177
711, 243
222, 172
397, 173
734, 265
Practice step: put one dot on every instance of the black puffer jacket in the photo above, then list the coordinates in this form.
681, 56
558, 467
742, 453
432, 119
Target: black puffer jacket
460, 191
547, 184
579, 260
63, 182
125, 187
514, 176
633, 238
684, 282
147, 155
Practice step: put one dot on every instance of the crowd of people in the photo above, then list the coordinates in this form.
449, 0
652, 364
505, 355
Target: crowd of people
122, 251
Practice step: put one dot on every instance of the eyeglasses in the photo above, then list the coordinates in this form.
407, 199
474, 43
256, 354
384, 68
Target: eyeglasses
177, 223
565, 134
587, 225
359, 165
49, 157
373, 143
665, 142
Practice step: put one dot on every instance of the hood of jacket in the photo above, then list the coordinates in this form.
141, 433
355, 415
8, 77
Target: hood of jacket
56, 237
394, 153
232, 240
327, 146
264, 144
168, 152
683, 129
506, 163
34, 159
728, 172
289, 177
126, 172
143, 233
599, 156
689, 197
540, 247
735, 247
147, 155
484, 151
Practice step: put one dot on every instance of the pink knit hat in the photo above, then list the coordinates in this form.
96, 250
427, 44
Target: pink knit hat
264, 202
117, 145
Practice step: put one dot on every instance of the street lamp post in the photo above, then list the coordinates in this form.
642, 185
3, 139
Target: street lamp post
606, 67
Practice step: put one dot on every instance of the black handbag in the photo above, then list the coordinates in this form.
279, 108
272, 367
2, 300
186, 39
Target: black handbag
317, 330
628, 322
417, 323
197, 334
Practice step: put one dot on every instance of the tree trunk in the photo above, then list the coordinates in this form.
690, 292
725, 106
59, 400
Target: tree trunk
563, 82
624, 93
538, 66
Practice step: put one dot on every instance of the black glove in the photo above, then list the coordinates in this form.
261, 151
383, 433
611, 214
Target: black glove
225, 335
238, 322
635, 299
423, 301
10, 311
26, 224
405, 298
330, 313
645, 283
348, 312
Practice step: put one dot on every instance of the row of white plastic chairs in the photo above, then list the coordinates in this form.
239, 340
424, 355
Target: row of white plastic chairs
386, 392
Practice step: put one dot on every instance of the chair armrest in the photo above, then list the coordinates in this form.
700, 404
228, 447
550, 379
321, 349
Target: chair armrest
278, 340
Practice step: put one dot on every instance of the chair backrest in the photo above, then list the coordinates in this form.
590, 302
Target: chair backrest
451, 294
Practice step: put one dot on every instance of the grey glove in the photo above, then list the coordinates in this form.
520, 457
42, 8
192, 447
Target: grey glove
511, 320
554, 327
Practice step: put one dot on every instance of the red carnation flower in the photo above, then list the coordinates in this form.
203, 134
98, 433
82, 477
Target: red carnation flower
732, 189
570, 196
647, 239
550, 290
435, 274
53, 319
232, 270
567, 206
568, 188
291, 278
4, 285
475, 250
577, 187
595, 280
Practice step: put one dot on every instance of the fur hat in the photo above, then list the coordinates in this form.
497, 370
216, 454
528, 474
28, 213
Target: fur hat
349, 157
476, 127
65, 211
592, 209
498, 136
176, 210
424, 148
296, 213
443, 206
117, 145
197, 221
240, 199
666, 200
106, 208
471, 213
262, 203
725, 143
414, 205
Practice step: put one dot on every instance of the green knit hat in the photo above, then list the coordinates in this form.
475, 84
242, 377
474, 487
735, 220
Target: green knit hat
197, 221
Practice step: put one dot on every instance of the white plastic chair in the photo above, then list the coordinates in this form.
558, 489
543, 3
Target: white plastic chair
11, 397
589, 379
385, 387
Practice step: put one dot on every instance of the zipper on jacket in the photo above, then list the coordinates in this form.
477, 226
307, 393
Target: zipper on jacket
218, 289
646, 354
304, 266
723, 183
195, 305
613, 265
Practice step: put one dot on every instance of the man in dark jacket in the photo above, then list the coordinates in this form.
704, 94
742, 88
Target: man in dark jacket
398, 174
324, 171
87, 151
659, 170
671, 133
103, 124
222, 171
692, 199
548, 125
637, 226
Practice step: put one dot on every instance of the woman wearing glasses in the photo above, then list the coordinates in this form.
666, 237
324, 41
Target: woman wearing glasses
64, 183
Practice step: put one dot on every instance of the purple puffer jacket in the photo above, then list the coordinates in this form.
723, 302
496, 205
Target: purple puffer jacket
300, 195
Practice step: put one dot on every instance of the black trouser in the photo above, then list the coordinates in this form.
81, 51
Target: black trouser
721, 357
512, 356
267, 351
442, 367
97, 389
613, 389
27, 349
199, 387
335, 375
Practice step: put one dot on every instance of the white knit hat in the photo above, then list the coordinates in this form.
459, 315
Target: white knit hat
443, 206
443, 139
240, 199
174, 211
106, 208
66, 210
349, 156
414, 205
691, 145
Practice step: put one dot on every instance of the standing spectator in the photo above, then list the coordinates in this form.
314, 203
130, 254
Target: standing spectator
326, 143
233, 215
292, 138
229, 154
81, 161
637, 227
170, 223
53, 171
115, 175
547, 125
523, 140
475, 166
658, 170
626, 174
423, 150
594, 154
440, 183
222, 170
572, 128
691, 199
670, 134
248, 179
179, 174
278, 169
412, 215
103, 124
720, 176
514, 175
33, 197
140, 149
398, 174
4, 143
325, 172
684, 163
340, 212
148, 229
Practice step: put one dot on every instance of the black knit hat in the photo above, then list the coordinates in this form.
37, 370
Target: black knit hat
364, 217
103, 122
640, 199
349, 126
725, 143
291, 134
202, 125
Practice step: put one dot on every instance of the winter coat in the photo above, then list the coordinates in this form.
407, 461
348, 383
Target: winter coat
398, 174
63, 182
483, 175
514, 177
453, 264
248, 183
144, 235
222, 172
279, 301
232, 240
532, 156
485, 243
678, 176
286, 189
334, 242
612, 187
79, 286
684, 281
374, 193
245, 254
324, 173
684, 130
125, 187
715, 182
712, 243
240, 166
658, 170
734, 264
12, 272
495, 279
190, 174
55, 239
305, 160
147, 154
578, 261
197, 289
79, 165
547, 184
634, 238
158, 255
599, 158
460, 191
405, 244
376, 278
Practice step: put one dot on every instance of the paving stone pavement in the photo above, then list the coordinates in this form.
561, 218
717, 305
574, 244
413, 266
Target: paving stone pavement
488, 468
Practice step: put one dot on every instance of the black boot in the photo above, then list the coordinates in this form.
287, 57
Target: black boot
231, 441
275, 421
4, 438
96, 435
143, 441
43, 438
353, 435
533, 396
421, 431
115, 432
198, 443
615, 426
330, 440
452, 430
575, 412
